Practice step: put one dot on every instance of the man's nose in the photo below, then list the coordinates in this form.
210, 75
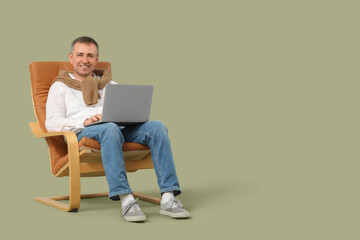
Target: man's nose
85, 59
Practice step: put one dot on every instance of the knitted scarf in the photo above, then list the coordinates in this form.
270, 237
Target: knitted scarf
89, 86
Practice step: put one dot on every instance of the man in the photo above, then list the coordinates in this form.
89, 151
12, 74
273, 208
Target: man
75, 100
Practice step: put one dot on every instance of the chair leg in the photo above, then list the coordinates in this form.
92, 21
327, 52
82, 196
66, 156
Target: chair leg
74, 180
54, 201
74, 197
147, 198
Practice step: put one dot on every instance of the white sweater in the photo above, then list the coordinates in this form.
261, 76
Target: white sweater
66, 109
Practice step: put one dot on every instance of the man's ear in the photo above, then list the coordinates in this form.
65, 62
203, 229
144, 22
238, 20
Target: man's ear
70, 57
97, 59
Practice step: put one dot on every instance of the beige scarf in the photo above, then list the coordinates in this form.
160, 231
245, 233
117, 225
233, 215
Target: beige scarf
89, 86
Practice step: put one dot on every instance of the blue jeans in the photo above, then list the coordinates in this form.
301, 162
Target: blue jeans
111, 138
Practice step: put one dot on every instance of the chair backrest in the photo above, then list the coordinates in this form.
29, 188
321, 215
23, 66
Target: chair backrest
42, 75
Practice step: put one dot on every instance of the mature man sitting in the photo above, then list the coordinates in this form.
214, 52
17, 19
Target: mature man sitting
75, 100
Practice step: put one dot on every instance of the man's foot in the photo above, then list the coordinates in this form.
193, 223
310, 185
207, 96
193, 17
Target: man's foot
132, 212
174, 209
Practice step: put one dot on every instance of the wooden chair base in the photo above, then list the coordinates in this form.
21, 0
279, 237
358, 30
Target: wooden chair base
54, 201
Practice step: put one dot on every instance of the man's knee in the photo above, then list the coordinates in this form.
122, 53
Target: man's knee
158, 127
111, 129
110, 126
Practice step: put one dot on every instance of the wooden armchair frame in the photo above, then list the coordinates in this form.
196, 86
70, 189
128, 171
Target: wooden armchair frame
79, 161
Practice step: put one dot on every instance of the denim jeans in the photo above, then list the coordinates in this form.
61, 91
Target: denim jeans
111, 138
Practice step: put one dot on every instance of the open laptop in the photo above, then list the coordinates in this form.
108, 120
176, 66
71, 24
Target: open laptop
126, 104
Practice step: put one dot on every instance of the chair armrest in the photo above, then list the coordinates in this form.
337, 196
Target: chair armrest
38, 132
72, 147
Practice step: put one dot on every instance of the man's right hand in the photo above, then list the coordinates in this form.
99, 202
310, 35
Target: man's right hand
92, 119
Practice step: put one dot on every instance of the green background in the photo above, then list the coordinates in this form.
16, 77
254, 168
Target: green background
260, 99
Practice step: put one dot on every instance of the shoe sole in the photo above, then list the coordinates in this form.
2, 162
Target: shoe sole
175, 215
135, 219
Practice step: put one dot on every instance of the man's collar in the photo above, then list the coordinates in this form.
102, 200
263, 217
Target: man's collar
93, 75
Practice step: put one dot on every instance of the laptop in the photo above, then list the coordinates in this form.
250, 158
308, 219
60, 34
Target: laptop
126, 104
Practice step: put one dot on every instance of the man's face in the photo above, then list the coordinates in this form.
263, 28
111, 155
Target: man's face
84, 59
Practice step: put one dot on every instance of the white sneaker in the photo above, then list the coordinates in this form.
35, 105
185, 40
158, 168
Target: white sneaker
132, 212
174, 208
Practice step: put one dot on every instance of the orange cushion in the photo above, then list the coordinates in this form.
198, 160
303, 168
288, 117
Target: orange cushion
128, 146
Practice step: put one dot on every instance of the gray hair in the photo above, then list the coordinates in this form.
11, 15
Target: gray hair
84, 39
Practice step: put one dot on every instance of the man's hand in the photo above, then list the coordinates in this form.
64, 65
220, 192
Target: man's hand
92, 119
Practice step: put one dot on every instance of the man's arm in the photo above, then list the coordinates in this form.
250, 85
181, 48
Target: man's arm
56, 120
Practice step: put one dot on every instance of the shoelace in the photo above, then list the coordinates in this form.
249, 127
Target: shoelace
177, 202
130, 205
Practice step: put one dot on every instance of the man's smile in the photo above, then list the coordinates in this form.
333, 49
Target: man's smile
84, 67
